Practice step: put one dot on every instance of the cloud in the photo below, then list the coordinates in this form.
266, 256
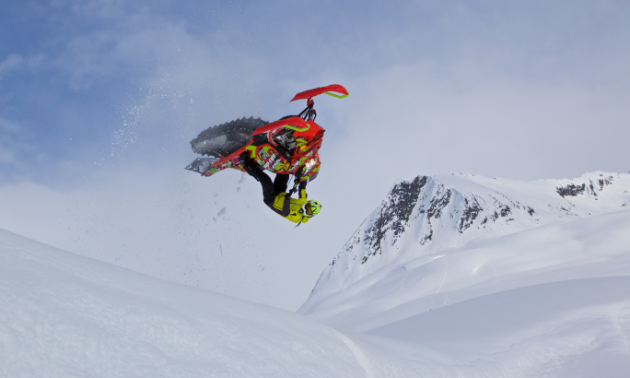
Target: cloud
12, 62
10, 140
15, 62
498, 124
136, 83
9, 127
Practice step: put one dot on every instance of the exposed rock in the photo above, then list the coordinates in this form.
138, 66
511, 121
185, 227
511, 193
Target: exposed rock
603, 182
471, 211
571, 190
394, 214
438, 204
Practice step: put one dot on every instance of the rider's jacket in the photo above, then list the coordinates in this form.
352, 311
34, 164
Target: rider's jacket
291, 208
275, 158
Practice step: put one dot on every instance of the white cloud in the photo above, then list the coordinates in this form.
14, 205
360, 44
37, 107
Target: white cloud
13, 61
9, 140
16, 62
8, 126
6, 156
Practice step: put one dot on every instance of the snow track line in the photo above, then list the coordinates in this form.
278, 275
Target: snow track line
444, 277
359, 355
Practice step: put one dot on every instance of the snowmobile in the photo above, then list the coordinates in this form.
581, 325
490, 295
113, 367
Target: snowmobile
289, 145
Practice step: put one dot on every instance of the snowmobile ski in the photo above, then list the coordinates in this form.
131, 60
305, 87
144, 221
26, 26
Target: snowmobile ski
329, 89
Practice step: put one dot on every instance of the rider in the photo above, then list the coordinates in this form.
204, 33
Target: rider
297, 210
289, 146
287, 150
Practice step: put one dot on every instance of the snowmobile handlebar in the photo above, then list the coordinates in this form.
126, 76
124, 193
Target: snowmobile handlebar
309, 114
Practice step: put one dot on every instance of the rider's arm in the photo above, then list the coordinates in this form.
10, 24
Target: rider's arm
281, 204
286, 206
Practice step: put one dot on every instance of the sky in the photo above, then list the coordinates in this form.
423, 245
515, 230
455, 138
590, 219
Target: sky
99, 99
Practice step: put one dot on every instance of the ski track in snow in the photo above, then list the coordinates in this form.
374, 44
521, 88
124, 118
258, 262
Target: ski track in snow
445, 274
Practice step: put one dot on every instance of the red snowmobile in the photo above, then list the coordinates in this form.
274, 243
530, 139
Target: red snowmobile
288, 146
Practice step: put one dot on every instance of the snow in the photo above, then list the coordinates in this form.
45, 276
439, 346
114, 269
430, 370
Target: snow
576, 328
550, 300
64, 315
67, 315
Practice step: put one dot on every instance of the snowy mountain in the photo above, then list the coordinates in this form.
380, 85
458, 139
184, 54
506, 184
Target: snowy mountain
400, 261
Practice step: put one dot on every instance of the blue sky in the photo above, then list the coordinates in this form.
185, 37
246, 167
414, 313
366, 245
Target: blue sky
73, 71
106, 88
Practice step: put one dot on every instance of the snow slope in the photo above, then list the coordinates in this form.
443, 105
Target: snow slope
64, 315
575, 328
436, 241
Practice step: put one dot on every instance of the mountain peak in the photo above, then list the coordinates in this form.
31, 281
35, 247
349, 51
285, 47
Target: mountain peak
424, 215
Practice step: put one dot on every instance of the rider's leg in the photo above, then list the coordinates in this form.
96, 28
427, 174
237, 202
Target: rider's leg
280, 183
256, 172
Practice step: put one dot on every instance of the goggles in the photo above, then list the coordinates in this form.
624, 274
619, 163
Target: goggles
312, 208
309, 209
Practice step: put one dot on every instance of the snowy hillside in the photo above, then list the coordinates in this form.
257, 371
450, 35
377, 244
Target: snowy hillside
435, 234
63, 315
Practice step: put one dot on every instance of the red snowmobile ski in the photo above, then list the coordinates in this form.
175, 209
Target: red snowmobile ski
284, 146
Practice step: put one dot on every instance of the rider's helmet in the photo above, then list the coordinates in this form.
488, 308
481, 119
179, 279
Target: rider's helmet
312, 208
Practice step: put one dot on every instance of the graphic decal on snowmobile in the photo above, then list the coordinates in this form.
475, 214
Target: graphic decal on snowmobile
284, 146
